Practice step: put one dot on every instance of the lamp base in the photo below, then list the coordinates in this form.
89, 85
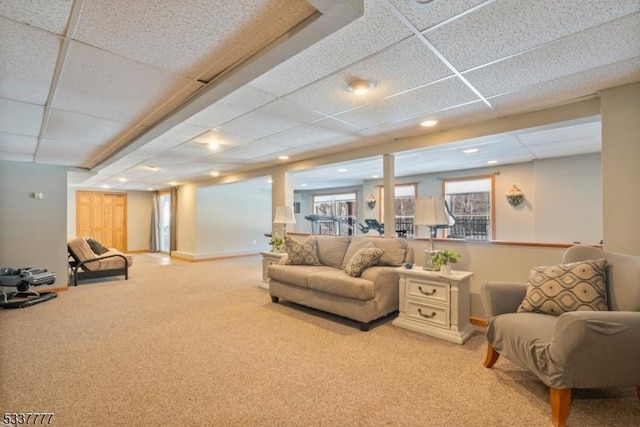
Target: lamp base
427, 259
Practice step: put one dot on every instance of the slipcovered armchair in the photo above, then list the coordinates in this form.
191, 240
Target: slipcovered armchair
570, 349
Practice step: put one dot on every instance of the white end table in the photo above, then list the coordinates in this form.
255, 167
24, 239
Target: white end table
435, 304
268, 258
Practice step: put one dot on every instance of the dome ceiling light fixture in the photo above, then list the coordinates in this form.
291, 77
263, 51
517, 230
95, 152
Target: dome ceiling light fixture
360, 87
428, 123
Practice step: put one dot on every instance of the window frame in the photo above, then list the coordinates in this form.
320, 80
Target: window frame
492, 199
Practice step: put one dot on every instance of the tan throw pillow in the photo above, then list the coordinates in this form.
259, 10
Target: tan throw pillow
302, 252
363, 259
577, 286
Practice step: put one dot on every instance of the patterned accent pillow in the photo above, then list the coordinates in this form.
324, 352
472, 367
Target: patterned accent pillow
363, 259
577, 286
96, 246
302, 252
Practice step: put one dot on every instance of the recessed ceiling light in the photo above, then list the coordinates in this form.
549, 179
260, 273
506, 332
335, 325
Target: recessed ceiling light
215, 173
360, 87
213, 146
173, 183
492, 162
342, 170
375, 176
303, 185
428, 123
106, 186
470, 150
122, 179
283, 157
149, 189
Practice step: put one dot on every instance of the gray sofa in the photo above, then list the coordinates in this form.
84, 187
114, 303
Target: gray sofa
575, 349
327, 287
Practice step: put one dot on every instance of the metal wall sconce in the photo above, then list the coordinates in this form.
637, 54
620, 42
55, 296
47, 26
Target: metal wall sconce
371, 201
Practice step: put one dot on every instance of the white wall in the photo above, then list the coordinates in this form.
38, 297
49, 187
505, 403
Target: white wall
222, 220
33, 232
139, 205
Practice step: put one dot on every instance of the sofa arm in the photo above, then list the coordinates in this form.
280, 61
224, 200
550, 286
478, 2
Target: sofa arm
501, 297
597, 348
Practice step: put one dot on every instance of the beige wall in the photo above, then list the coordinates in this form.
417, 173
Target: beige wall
33, 232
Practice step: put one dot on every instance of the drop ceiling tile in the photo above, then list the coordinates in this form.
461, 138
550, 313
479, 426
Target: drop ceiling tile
20, 118
509, 27
374, 31
416, 103
231, 106
312, 133
73, 127
568, 147
426, 15
615, 42
184, 153
173, 137
223, 140
65, 153
29, 58
196, 32
568, 88
249, 151
269, 119
51, 16
98, 83
18, 144
447, 119
16, 157
403, 66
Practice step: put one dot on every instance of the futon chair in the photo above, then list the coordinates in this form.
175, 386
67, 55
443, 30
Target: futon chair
84, 263
532, 324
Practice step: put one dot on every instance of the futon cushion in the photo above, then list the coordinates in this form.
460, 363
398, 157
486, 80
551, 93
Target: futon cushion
302, 252
576, 286
363, 259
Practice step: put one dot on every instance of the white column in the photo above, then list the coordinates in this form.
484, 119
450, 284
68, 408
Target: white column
281, 195
389, 183
620, 110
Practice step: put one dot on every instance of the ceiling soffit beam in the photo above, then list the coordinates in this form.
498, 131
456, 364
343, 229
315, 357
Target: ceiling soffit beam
331, 16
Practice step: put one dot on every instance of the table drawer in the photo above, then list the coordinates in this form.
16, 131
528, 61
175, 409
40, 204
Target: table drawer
428, 290
426, 313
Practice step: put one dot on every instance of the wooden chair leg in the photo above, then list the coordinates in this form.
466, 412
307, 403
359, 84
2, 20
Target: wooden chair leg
492, 356
560, 399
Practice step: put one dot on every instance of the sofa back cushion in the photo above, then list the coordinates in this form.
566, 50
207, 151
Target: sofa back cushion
622, 275
331, 249
395, 250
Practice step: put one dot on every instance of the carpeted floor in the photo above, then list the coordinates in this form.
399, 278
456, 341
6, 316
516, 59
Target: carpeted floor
198, 344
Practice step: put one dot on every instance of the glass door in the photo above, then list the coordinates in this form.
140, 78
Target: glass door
165, 222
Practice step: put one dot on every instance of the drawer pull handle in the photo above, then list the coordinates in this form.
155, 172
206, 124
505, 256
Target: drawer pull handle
433, 291
427, 316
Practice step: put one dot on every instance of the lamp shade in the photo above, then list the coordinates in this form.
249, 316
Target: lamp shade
284, 215
431, 212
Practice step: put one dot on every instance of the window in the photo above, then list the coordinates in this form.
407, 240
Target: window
334, 214
405, 198
471, 201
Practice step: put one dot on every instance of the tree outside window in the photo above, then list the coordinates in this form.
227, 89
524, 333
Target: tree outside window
405, 199
471, 201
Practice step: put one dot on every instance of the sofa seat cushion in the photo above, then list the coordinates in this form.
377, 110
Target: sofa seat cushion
296, 275
337, 282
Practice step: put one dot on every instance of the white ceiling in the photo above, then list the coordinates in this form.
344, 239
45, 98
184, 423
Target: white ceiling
133, 91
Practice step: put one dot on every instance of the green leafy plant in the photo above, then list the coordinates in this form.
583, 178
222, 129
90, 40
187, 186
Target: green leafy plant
440, 258
277, 242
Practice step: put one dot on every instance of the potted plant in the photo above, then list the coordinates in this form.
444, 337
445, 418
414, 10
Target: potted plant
277, 243
442, 260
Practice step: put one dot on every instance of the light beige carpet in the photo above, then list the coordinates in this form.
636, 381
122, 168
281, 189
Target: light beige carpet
199, 344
